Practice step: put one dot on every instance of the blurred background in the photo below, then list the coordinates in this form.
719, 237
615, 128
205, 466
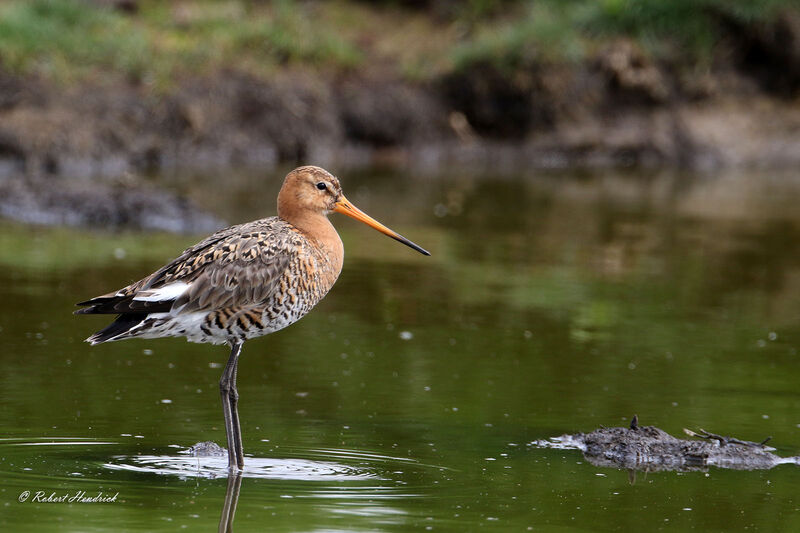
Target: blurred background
104, 87
609, 190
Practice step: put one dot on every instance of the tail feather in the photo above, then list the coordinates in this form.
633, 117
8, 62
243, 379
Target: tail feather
122, 324
122, 304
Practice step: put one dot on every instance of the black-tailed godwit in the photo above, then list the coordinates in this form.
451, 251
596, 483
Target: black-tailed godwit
242, 282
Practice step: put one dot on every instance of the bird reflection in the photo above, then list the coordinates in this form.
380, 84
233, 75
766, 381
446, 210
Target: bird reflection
231, 500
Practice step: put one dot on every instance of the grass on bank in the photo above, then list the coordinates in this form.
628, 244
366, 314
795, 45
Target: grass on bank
684, 31
71, 40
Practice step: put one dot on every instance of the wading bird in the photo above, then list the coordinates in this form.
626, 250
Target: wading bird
242, 282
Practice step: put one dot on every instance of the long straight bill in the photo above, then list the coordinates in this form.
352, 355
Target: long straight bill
346, 208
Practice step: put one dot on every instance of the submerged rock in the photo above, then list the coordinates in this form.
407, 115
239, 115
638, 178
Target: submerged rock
652, 449
206, 449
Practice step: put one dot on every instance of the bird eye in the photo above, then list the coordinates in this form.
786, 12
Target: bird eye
321, 186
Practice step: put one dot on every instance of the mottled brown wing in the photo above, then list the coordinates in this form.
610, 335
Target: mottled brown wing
240, 266
240, 270
194, 255
167, 272
239, 282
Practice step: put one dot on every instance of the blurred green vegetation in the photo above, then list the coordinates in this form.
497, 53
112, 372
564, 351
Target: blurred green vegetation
68, 40
59, 37
568, 30
74, 39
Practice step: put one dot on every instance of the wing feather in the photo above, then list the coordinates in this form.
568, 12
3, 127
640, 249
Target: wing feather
238, 266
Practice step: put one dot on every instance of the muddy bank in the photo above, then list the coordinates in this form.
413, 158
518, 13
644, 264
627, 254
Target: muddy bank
619, 109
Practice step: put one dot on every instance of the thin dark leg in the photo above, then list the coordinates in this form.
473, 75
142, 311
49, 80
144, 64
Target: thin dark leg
230, 400
231, 499
237, 429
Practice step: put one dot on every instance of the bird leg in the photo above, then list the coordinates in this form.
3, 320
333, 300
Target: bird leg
230, 400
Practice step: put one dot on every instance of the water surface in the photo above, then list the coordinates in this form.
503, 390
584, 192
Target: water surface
409, 398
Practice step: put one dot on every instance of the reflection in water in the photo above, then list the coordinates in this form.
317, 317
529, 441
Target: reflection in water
551, 304
231, 501
343, 483
337, 489
216, 467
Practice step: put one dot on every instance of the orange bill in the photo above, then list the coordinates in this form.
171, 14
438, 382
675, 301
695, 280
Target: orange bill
346, 208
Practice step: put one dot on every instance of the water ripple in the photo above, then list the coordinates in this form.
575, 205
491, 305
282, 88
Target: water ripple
255, 467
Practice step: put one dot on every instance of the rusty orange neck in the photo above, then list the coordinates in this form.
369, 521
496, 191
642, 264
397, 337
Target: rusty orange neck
321, 234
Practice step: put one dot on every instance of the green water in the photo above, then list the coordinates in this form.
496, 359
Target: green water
409, 398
